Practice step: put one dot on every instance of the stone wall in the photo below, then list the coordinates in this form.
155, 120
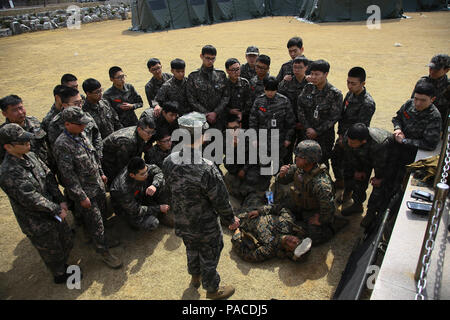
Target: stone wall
62, 18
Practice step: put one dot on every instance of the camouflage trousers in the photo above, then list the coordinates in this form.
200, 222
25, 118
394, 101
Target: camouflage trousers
203, 254
54, 247
337, 161
93, 221
318, 234
252, 182
326, 142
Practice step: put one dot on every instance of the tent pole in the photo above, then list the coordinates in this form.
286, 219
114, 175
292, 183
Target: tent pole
188, 12
170, 13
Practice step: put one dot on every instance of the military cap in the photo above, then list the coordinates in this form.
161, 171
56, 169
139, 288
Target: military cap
193, 120
74, 115
12, 132
252, 50
309, 150
440, 61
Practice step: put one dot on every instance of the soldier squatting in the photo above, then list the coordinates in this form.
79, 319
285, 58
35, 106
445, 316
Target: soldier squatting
94, 144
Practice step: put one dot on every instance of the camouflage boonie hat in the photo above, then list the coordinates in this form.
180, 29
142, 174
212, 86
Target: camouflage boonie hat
440, 61
74, 115
12, 132
252, 50
309, 150
193, 120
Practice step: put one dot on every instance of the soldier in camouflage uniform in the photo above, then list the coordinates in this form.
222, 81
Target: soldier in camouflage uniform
240, 92
69, 80
243, 180
55, 109
136, 195
99, 109
206, 89
166, 120
417, 125
367, 149
358, 107
438, 69
274, 111
71, 97
295, 48
319, 108
269, 231
122, 97
262, 68
154, 84
36, 201
198, 197
159, 151
14, 112
312, 194
83, 179
248, 69
120, 146
174, 89
292, 89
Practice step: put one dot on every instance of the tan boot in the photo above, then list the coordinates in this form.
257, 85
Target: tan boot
195, 280
222, 293
111, 260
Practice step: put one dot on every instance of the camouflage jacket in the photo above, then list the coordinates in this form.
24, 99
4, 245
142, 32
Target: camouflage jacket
33, 192
292, 89
240, 95
174, 90
356, 109
257, 86
312, 192
422, 129
79, 169
56, 127
273, 113
199, 196
104, 116
442, 87
247, 72
129, 196
155, 155
207, 90
39, 144
319, 109
267, 229
119, 147
49, 117
152, 87
116, 97
286, 69
374, 154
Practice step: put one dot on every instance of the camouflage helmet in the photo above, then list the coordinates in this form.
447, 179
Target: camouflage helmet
309, 150
12, 132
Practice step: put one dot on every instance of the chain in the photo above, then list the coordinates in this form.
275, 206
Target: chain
429, 246
446, 161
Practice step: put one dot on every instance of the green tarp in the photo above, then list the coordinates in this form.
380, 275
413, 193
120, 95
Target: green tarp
417, 5
348, 10
155, 15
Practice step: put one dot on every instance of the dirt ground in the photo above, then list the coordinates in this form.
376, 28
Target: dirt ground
155, 263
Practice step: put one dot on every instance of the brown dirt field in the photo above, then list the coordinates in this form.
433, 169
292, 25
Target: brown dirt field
155, 263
